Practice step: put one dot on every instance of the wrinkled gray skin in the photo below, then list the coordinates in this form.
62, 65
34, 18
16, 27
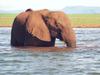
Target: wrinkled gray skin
57, 23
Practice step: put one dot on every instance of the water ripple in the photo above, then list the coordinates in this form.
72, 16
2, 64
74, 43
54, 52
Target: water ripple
84, 60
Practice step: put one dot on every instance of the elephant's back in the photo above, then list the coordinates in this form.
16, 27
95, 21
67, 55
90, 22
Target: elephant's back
22, 17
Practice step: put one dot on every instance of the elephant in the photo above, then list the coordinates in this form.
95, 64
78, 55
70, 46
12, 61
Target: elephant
41, 28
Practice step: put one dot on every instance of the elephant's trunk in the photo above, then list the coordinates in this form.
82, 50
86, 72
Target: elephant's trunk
71, 44
69, 38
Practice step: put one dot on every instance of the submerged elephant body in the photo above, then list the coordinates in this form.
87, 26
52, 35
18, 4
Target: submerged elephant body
41, 28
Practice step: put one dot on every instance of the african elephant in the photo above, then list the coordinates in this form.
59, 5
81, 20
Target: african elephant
41, 29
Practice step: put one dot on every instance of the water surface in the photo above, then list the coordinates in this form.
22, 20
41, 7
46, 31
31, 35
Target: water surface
83, 60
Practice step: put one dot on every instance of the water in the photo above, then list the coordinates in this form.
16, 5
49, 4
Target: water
83, 60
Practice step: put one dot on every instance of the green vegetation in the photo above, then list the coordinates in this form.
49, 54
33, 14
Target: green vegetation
85, 20
6, 19
78, 20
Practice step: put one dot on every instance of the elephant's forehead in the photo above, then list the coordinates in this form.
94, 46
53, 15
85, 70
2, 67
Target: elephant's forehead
59, 19
58, 16
44, 12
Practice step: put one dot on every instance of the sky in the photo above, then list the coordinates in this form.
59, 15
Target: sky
45, 4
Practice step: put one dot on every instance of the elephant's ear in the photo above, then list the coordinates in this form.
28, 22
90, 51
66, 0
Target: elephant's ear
37, 28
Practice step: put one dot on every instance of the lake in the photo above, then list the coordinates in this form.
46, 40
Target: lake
83, 60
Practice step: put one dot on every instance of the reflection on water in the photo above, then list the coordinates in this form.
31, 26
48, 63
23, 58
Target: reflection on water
84, 60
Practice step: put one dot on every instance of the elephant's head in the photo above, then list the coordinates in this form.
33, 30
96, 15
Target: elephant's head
60, 27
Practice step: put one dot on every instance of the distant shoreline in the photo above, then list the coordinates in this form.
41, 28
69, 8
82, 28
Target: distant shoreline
77, 20
72, 26
5, 25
